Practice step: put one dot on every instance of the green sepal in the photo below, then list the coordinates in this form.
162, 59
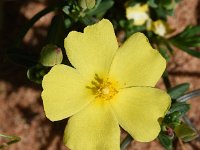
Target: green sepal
185, 133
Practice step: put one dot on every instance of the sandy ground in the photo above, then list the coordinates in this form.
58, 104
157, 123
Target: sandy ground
21, 111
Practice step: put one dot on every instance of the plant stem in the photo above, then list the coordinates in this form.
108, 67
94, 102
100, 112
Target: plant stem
126, 142
13, 139
187, 121
189, 95
166, 80
33, 20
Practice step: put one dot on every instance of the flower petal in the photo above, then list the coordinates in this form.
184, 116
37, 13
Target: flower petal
93, 128
64, 93
92, 52
138, 110
136, 63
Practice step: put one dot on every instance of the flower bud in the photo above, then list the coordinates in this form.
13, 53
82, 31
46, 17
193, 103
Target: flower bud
51, 55
139, 13
36, 73
159, 27
87, 4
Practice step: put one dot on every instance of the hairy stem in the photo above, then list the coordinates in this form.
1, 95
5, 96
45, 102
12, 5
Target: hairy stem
33, 20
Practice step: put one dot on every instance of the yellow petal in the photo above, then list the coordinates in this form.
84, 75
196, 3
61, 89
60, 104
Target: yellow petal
138, 110
93, 128
136, 63
64, 93
92, 52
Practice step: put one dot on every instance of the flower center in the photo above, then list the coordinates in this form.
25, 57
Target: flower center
103, 89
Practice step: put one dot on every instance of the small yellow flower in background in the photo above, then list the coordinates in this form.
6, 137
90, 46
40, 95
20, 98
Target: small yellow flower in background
159, 27
108, 86
139, 13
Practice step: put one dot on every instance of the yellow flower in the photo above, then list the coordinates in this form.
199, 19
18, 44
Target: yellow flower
159, 27
139, 13
108, 87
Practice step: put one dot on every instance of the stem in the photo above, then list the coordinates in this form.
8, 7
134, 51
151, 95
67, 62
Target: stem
33, 20
126, 142
13, 139
189, 95
166, 80
187, 121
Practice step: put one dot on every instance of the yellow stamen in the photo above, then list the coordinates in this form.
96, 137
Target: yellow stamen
103, 89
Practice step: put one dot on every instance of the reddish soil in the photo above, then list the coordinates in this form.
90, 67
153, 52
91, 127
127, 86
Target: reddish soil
21, 110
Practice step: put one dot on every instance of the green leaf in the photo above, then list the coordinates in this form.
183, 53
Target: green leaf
165, 140
168, 46
181, 107
178, 90
173, 119
192, 52
152, 3
177, 1
51, 55
168, 4
190, 31
66, 10
164, 54
12, 140
185, 133
188, 40
192, 41
56, 32
101, 9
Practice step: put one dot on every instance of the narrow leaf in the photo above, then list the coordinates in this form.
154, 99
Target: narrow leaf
165, 140
179, 107
178, 90
192, 52
12, 140
185, 133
